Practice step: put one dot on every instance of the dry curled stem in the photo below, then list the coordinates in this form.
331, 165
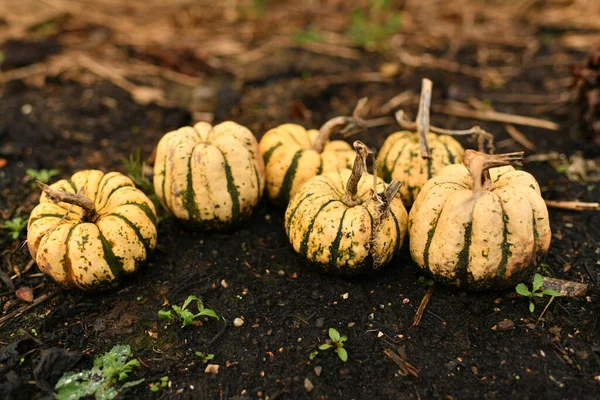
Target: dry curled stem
485, 140
88, 208
346, 126
479, 164
350, 198
422, 121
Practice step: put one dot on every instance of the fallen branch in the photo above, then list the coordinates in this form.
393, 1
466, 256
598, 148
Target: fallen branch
422, 306
566, 288
21, 310
572, 205
488, 115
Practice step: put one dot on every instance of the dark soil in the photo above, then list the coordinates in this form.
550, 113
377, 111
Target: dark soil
287, 305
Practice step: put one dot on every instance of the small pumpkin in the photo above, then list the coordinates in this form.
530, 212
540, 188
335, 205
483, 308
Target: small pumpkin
347, 221
415, 157
293, 154
210, 176
480, 227
90, 230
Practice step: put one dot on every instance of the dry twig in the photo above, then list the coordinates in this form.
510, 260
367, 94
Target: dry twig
422, 306
573, 205
488, 115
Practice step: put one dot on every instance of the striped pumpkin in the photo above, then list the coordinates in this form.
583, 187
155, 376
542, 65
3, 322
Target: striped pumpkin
210, 176
400, 158
342, 236
290, 159
480, 236
91, 247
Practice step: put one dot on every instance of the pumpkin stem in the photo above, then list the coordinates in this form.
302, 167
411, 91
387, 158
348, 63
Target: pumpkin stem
88, 208
350, 198
484, 139
423, 117
479, 164
347, 126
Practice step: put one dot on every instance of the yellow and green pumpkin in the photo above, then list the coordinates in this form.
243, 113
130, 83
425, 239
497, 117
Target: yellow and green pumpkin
480, 235
99, 228
338, 221
210, 176
400, 158
293, 154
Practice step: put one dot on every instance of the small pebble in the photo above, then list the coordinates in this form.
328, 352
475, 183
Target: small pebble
406, 300
224, 284
26, 109
281, 272
238, 322
319, 322
380, 334
505, 325
318, 370
308, 385
345, 296
344, 371
212, 369
351, 324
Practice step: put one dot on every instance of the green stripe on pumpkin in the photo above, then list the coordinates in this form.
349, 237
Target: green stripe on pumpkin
235, 206
505, 246
430, 233
398, 232
145, 242
334, 249
189, 198
288, 179
114, 263
72, 184
462, 267
304, 244
269, 153
451, 159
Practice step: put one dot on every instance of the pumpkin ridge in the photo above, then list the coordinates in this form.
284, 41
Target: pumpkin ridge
67, 266
114, 263
146, 209
334, 249
269, 153
293, 213
288, 179
111, 193
291, 135
103, 184
145, 242
47, 215
304, 243
400, 153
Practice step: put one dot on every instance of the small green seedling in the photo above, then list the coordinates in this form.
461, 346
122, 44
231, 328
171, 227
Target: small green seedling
42, 175
205, 357
536, 291
15, 226
187, 317
101, 380
337, 343
160, 385
377, 24
423, 281
136, 170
